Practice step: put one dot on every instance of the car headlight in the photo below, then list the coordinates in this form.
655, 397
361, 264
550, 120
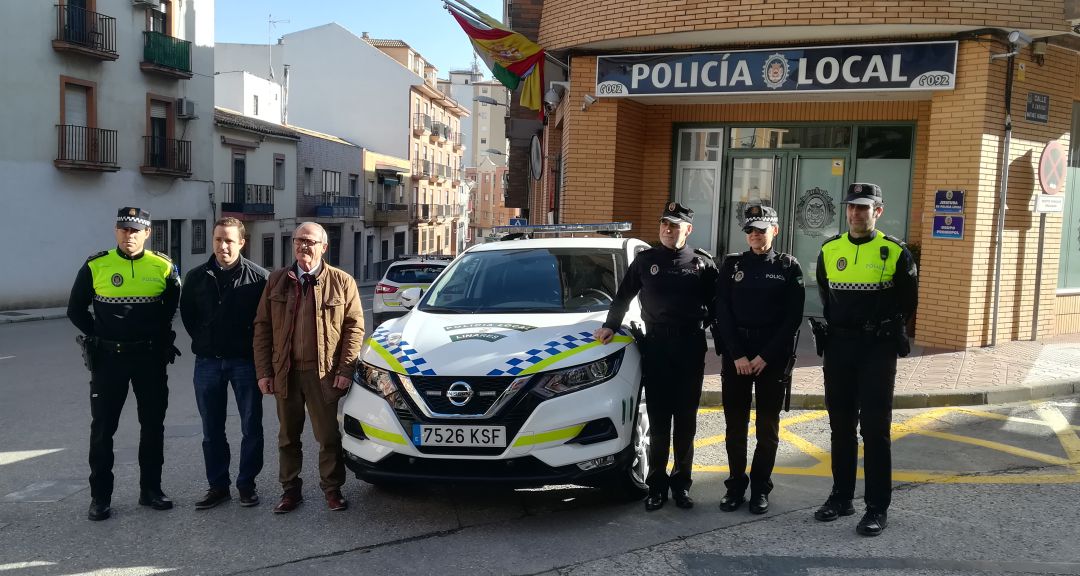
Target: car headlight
576, 378
375, 379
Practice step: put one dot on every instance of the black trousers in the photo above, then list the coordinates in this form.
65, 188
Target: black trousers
674, 369
108, 392
737, 393
860, 374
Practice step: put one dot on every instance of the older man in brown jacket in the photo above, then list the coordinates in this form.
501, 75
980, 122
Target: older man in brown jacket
308, 333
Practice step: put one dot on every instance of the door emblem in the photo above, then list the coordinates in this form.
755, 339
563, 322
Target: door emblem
459, 393
815, 212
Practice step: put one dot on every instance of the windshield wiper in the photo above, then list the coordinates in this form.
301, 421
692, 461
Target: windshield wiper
442, 310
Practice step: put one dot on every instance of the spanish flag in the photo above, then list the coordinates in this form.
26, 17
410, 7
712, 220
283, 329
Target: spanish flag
512, 58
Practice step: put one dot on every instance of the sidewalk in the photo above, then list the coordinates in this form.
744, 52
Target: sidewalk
1009, 372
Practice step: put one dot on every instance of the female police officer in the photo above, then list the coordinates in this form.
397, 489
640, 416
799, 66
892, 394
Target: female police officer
758, 310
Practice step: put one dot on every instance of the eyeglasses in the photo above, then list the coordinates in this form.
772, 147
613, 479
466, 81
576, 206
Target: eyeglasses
752, 230
306, 242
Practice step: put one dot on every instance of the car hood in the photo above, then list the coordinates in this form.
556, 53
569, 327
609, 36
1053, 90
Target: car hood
487, 344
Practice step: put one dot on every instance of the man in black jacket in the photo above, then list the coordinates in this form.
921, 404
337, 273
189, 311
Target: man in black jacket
217, 307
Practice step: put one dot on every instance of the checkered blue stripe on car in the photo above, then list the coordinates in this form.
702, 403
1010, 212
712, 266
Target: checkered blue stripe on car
401, 356
551, 352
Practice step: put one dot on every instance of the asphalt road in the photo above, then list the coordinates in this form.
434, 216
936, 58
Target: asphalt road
987, 490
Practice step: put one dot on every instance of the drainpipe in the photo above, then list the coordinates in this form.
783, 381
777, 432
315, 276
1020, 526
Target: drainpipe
1011, 55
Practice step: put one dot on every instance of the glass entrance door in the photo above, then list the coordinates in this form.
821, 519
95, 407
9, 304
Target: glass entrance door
805, 188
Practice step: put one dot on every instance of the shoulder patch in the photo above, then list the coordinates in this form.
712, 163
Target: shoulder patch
703, 252
895, 240
97, 255
162, 255
787, 260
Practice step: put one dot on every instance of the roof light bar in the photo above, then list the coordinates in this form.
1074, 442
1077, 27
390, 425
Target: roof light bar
611, 228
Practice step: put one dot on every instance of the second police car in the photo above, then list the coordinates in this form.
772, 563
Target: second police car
494, 374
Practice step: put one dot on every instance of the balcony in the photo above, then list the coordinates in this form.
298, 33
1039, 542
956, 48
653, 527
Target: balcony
435, 174
166, 56
83, 148
436, 131
459, 144
387, 214
81, 31
166, 157
247, 201
424, 213
421, 124
455, 177
421, 169
334, 206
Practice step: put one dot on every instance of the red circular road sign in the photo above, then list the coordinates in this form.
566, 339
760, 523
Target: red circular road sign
1052, 165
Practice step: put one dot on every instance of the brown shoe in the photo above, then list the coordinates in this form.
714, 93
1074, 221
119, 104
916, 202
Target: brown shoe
289, 501
335, 501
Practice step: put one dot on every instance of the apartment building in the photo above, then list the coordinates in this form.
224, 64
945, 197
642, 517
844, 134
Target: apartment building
487, 201
108, 103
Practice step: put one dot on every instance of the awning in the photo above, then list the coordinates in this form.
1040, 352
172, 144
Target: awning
389, 168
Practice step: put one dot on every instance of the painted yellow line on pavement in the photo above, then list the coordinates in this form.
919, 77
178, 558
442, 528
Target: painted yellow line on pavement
1007, 418
1000, 447
1063, 429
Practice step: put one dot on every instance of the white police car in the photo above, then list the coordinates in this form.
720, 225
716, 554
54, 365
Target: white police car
494, 375
410, 271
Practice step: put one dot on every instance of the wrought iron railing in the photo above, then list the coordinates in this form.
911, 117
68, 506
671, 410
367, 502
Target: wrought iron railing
167, 154
422, 122
85, 28
333, 205
85, 145
247, 198
166, 51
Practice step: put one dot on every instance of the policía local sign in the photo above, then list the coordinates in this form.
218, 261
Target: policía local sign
869, 67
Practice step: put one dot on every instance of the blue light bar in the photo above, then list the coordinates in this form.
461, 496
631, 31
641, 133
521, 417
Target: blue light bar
615, 228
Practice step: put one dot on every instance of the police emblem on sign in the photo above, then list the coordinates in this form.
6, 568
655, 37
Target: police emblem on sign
841, 264
654, 269
775, 72
739, 276
117, 279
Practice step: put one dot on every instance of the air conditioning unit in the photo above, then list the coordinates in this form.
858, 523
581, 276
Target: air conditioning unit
151, 3
185, 108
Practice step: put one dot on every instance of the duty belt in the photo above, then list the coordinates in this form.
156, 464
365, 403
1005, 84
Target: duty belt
865, 332
673, 329
116, 347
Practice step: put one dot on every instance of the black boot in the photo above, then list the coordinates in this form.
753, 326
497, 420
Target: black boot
99, 509
155, 498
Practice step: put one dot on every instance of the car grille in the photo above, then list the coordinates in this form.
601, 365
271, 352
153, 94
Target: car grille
486, 390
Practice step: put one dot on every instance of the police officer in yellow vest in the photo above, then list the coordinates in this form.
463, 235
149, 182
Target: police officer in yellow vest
134, 294
869, 287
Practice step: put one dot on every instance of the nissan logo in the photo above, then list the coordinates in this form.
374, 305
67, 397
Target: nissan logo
459, 393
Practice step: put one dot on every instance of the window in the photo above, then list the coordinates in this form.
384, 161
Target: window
354, 185
255, 106
483, 90
268, 251
286, 249
279, 172
331, 182
78, 139
483, 140
159, 235
883, 156
308, 184
159, 19
198, 236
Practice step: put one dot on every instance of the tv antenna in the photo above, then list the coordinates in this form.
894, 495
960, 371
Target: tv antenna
270, 23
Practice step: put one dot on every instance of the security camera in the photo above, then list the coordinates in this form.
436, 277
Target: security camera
1019, 38
589, 101
551, 98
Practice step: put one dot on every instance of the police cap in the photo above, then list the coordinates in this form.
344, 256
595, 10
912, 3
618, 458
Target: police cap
760, 217
677, 213
128, 217
864, 193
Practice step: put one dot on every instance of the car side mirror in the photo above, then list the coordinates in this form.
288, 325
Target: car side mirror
410, 296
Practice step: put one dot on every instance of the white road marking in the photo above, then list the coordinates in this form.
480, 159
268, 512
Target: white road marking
18, 456
5, 357
24, 565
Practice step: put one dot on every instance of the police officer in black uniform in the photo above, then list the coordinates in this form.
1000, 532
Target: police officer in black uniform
678, 287
134, 294
869, 286
758, 310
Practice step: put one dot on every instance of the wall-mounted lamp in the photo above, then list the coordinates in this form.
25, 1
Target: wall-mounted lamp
1019, 38
589, 101
1038, 51
554, 94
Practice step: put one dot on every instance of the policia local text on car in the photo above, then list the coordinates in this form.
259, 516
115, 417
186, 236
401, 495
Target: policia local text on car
869, 287
129, 338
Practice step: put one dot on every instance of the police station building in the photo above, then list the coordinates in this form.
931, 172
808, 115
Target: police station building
719, 104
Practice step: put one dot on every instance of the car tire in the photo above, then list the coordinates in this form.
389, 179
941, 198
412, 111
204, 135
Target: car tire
629, 483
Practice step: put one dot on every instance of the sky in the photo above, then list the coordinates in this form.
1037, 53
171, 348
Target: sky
423, 24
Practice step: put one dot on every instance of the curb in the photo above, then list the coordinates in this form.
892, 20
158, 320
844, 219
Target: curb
935, 399
32, 317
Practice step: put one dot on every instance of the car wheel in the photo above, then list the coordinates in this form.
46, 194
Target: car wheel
630, 482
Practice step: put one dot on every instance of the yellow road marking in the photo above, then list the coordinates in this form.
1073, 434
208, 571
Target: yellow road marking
1064, 432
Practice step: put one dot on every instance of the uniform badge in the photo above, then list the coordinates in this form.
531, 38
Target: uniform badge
117, 279
654, 269
131, 212
739, 276
841, 264
671, 207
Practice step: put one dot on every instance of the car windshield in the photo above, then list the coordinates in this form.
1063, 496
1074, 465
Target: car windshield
414, 273
539, 280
